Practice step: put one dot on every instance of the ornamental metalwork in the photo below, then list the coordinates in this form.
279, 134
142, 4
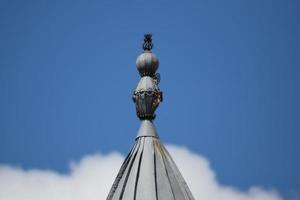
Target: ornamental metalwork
148, 172
147, 96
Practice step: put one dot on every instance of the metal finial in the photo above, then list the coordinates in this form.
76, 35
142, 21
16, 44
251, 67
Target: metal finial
148, 171
147, 95
148, 45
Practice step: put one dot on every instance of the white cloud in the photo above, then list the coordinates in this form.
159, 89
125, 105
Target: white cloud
92, 177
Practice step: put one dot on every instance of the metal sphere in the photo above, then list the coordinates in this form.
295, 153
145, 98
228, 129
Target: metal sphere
147, 64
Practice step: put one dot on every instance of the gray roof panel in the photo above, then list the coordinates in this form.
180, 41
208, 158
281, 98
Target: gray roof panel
149, 173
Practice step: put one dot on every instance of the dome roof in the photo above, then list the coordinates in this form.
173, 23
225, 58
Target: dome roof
147, 63
149, 172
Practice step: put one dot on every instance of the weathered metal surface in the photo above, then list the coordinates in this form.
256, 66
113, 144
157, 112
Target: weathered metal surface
147, 96
148, 172
147, 63
147, 129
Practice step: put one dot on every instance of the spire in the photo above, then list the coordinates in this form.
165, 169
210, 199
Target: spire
148, 172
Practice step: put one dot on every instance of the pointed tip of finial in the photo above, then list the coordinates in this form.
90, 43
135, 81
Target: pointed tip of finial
148, 45
148, 36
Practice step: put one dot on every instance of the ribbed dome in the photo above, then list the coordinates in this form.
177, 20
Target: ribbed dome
147, 63
149, 172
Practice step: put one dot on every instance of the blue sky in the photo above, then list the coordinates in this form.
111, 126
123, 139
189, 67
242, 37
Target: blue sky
230, 77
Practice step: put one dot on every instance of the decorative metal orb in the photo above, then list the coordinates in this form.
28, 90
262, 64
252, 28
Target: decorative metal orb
147, 63
147, 97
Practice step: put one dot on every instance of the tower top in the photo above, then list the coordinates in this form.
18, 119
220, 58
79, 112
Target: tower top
148, 172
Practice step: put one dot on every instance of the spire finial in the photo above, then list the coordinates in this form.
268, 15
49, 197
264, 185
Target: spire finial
148, 45
147, 95
147, 63
148, 171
